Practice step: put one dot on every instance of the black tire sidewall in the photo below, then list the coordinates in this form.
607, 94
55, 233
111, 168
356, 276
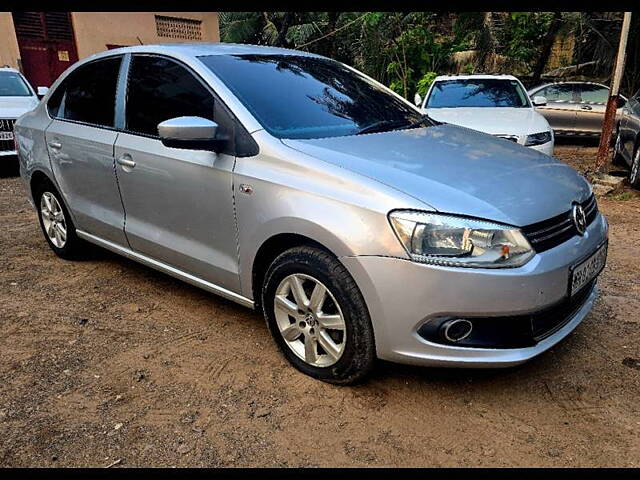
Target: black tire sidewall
359, 354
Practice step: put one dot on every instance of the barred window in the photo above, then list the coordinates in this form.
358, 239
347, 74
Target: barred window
175, 27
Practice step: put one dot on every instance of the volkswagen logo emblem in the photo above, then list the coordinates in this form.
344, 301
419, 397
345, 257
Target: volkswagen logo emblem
579, 218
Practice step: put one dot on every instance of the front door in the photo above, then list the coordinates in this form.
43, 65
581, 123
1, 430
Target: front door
593, 103
179, 203
561, 108
80, 141
47, 45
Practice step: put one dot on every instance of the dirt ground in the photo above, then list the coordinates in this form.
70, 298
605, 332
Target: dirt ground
107, 362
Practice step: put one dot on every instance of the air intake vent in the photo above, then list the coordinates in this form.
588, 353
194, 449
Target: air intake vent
29, 24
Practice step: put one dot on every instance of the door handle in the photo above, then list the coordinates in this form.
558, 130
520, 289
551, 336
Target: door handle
55, 145
126, 161
586, 107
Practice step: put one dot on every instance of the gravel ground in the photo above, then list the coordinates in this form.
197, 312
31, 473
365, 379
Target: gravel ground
106, 362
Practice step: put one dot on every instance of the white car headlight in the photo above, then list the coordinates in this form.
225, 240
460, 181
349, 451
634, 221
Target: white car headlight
453, 241
538, 139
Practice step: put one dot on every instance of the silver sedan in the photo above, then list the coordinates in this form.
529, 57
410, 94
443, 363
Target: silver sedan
298, 186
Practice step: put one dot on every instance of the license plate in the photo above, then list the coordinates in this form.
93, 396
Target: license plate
6, 135
587, 270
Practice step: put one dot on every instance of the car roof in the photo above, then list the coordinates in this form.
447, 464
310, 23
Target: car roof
197, 49
9, 69
475, 76
569, 82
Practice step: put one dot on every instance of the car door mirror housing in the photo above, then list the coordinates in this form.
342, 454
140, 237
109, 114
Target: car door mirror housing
417, 99
539, 101
621, 101
190, 133
42, 91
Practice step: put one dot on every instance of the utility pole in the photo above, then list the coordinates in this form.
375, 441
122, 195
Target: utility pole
612, 104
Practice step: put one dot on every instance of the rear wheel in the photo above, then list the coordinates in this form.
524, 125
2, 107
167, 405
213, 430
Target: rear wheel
56, 223
317, 316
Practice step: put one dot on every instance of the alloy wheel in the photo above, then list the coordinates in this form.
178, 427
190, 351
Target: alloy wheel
53, 219
310, 320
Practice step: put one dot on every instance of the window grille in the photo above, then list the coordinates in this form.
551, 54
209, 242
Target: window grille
182, 28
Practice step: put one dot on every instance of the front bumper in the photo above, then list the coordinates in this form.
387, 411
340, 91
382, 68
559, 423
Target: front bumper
402, 295
546, 148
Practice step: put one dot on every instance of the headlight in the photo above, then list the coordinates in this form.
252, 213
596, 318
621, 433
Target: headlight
537, 139
459, 242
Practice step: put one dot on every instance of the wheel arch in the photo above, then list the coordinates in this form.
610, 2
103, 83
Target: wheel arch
267, 253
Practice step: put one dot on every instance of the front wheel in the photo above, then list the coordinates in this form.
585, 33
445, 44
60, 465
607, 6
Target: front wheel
317, 316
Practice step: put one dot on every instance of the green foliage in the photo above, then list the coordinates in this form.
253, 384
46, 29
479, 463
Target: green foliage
425, 82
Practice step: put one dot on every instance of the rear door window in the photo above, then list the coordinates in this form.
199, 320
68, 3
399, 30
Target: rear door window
160, 89
88, 94
593, 93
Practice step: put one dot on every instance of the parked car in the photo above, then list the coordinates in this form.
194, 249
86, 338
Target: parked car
627, 146
357, 226
494, 104
16, 98
574, 108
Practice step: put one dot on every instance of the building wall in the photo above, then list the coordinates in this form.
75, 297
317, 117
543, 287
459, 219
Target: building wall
9, 52
95, 30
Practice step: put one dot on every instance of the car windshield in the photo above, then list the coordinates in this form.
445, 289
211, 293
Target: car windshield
479, 92
309, 97
12, 85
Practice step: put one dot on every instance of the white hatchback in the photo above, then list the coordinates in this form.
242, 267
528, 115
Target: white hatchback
493, 104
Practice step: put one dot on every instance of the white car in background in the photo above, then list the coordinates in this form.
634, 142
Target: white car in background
16, 98
493, 104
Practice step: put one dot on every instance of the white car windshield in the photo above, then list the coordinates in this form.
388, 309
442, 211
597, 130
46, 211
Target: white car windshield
12, 85
478, 92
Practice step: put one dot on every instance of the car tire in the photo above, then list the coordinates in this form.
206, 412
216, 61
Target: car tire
303, 324
56, 223
634, 173
618, 160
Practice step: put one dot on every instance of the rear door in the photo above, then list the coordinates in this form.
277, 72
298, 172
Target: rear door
80, 142
561, 108
179, 202
593, 103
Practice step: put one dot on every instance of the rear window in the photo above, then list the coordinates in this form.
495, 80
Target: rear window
13, 85
480, 92
88, 94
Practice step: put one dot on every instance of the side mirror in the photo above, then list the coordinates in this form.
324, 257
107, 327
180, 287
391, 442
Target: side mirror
190, 133
621, 101
539, 101
417, 100
42, 91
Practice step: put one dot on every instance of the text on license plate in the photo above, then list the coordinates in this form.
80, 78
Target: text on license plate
588, 269
6, 135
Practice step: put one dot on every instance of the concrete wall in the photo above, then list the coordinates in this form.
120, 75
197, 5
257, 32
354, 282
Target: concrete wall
94, 30
9, 52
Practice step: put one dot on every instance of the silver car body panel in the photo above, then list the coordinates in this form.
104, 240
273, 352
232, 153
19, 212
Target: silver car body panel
458, 170
203, 217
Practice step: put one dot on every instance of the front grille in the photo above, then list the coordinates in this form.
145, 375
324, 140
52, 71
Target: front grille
556, 230
549, 321
6, 125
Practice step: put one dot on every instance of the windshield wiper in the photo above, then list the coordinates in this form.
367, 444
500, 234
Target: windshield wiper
384, 125
380, 126
424, 118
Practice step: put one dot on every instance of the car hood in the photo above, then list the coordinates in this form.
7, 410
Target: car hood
460, 171
496, 121
13, 107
